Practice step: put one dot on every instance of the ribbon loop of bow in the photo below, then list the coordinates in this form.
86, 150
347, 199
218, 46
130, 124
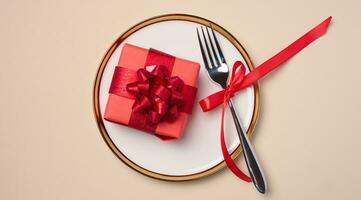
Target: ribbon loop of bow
158, 96
238, 73
239, 80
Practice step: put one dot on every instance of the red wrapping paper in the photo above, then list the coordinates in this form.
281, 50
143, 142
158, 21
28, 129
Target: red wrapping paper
120, 101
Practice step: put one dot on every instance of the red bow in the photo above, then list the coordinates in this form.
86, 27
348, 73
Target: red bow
158, 96
240, 81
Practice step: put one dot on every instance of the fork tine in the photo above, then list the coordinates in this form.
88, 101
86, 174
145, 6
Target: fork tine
212, 47
202, 51
207, 47
218, 47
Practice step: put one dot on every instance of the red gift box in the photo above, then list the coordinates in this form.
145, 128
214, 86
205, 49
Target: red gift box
122, 102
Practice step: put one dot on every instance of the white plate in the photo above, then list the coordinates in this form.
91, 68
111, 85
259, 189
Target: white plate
198, 153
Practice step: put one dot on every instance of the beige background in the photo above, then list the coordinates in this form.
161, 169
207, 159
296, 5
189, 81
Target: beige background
308, 136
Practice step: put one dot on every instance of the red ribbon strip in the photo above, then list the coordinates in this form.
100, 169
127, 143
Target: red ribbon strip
241, 81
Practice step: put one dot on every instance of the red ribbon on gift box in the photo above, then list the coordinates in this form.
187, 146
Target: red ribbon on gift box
158, 96
239, 81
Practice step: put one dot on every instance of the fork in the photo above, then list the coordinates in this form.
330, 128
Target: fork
218, 71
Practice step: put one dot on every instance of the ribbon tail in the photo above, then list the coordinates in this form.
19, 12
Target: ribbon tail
281, 57
227, 158
212, 101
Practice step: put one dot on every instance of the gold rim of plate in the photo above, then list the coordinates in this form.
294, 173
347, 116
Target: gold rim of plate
99, 119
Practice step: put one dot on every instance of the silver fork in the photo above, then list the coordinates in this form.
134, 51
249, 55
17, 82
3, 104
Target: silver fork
218, 71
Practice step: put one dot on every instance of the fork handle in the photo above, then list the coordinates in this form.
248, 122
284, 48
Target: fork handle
253, 166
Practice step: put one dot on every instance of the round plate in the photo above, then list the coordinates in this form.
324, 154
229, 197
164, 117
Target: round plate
197, 153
